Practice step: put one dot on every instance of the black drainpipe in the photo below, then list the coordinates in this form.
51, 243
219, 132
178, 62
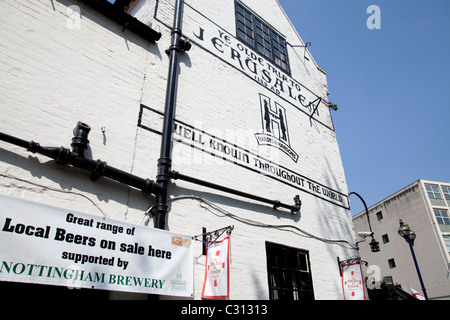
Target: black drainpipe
77, 159
165, 161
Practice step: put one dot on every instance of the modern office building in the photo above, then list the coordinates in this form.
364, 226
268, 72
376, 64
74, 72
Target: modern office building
424, 205
195, 121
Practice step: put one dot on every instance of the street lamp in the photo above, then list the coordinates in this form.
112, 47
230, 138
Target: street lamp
374, 245
409, 235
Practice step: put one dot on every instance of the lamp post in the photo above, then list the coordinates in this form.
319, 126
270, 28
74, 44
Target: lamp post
409, 235
374, 245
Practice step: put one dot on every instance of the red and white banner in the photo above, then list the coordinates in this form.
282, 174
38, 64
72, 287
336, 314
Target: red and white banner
217, 271
353, 282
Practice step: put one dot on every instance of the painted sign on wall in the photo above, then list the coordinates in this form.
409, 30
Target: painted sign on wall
275, 131
222, 150
279, 112
217, 41
49, 245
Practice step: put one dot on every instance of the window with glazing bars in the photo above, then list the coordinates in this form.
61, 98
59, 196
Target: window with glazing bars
433, 191
446, 191
259, 36
289, 273
442, 216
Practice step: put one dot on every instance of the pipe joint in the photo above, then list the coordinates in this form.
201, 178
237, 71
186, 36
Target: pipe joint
80, 140
33, 147
185, 45
99, 170
63, 155
298, 204
180, 45
174, 174
150, 187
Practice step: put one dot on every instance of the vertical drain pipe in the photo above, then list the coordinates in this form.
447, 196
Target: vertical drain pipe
165, 161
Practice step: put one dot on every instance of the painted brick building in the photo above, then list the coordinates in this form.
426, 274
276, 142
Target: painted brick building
252, 130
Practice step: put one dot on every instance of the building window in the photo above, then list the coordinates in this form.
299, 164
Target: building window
289, 273
442, 216
385, 238
391, 263
259, 36
433, 191
379, 215
388, 280
447, 242
446, 191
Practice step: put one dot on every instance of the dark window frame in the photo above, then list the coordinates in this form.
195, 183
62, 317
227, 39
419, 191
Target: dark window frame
379, 215
261, 37
392, 264
288, 273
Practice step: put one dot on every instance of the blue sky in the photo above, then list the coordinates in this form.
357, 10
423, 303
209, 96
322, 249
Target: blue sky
391, 86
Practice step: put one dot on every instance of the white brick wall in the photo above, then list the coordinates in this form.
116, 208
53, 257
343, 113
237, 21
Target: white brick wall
52, 76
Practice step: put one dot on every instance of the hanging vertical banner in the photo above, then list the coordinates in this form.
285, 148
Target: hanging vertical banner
54, 246
353, 281
217, 271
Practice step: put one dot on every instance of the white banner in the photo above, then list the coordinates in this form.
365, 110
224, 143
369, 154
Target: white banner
55, 246
217, 271
353, 282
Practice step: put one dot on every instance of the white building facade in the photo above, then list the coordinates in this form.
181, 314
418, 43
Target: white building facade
423, 205
251, 117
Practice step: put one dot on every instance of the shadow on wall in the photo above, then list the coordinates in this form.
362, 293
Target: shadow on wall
86, 12
72, 179
230, 200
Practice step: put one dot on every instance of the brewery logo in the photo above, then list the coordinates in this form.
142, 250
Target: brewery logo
274, 127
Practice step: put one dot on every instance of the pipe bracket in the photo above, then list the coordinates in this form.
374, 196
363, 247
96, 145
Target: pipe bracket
99, 170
